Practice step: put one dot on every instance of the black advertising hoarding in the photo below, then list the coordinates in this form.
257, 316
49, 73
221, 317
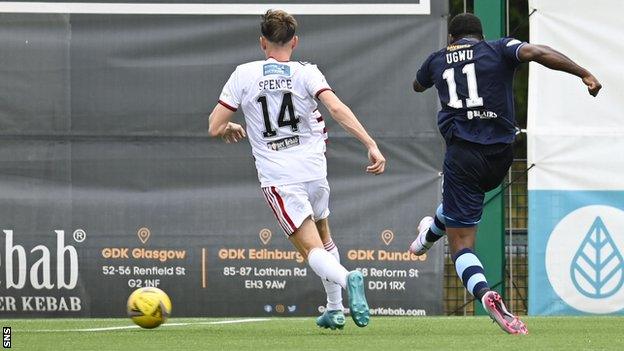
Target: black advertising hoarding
109, 181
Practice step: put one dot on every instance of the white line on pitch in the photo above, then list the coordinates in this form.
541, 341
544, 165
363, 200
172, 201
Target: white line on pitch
421, 8
231, 321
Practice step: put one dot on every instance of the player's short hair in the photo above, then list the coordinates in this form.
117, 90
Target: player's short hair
465, 24
278, 26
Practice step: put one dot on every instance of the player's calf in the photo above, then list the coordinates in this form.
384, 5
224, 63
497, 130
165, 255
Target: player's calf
470, 270
326, 267
332, 290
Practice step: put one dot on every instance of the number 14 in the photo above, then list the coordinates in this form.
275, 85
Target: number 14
473, 100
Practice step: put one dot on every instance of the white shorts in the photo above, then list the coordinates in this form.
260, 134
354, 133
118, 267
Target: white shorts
293, 203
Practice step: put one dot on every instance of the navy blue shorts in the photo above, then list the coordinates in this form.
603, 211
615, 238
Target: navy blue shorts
471, 170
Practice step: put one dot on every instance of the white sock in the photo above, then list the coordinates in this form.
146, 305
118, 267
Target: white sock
325, 266
333, 290
332, 249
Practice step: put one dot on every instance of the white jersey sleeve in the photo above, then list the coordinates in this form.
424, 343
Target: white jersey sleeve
315, 81
231, 94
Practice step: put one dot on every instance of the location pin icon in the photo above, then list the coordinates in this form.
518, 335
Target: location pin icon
144, 234
387, 236
265, 236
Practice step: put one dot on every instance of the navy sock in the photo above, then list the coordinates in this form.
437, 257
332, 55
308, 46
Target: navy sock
470, 270
481, 292
432, 237
438, 228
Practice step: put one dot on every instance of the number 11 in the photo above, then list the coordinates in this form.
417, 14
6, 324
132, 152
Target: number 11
473, 100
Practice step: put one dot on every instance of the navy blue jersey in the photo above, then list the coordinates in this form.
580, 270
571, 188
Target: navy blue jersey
474, 80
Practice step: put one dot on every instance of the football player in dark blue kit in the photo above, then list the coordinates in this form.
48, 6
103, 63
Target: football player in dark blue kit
474, 80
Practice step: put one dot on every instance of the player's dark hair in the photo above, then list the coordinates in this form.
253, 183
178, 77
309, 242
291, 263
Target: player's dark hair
465, 24
278, 26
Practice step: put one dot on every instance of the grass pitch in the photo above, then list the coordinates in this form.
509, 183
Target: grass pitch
384, 333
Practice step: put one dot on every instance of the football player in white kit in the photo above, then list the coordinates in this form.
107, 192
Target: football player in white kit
287, 135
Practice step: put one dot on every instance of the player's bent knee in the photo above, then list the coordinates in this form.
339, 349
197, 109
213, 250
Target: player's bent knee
306, 237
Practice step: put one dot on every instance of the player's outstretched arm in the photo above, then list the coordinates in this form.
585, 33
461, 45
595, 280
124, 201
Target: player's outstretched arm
553, 59
345, 117
219, 125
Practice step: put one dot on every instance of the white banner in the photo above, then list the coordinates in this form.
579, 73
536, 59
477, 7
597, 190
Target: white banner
423, 7
575, 140
576, 189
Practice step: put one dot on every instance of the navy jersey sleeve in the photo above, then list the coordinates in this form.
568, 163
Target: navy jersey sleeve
423, 76
510, 47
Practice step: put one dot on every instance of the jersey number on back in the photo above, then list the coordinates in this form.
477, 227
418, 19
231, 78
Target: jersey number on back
473, 100
287, 106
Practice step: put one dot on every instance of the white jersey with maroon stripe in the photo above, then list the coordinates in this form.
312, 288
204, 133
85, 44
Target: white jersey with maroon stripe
286, 131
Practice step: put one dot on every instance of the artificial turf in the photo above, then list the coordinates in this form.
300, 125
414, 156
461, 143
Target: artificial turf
384, 333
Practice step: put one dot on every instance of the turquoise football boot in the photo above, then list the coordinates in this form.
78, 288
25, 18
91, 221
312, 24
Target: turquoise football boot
331, 320
357, 299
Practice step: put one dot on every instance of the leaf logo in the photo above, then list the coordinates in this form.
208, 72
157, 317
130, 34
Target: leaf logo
597, 268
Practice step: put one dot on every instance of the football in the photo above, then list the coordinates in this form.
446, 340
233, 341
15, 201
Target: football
149, 307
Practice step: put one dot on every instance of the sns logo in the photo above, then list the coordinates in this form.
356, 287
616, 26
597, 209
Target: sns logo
17, 261
584, 261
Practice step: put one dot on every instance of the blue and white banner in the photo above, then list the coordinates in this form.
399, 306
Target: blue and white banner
576, 189
576, 249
